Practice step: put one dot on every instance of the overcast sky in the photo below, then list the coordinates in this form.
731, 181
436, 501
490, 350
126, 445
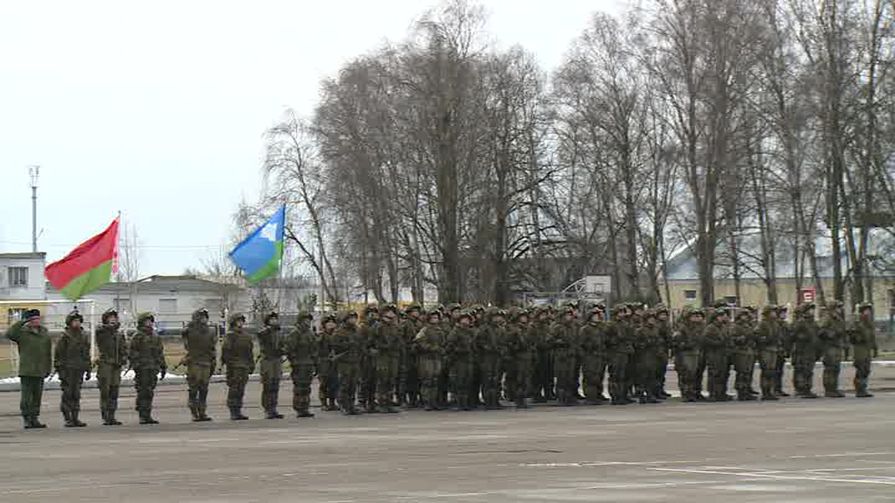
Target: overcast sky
157, 109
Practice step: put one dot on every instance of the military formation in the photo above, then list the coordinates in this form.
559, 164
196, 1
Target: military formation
460, 357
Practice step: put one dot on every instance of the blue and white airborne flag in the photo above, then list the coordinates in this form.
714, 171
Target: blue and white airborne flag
260, 254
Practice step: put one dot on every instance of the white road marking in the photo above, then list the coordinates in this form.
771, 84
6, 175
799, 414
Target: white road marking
779, 477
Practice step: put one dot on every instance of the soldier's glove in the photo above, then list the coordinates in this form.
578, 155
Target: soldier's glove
162, 373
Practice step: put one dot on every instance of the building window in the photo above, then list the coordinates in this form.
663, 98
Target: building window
18, 276
167, 306
690, 295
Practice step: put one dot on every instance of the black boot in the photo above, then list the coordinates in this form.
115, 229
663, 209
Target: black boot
273, 414
110, 419
75, 421
236, 414
146, 417
66, 415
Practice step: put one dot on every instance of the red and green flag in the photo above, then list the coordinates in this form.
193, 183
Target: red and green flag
87, 267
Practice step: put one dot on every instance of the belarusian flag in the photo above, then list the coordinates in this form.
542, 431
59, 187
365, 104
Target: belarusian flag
87, 267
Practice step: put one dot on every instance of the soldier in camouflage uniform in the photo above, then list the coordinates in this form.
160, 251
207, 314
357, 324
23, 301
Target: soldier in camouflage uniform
327, 374
385, 351
544, 371
238, 354
72, 359
743, 339
35, 363
647, 346
273, 349
784, 351
147, 359
619, 347
831, 340
409, 384
200, 343
489, 349
429, 345
863, 338
346, 351
458, 347
687, 344
564, 344
302, 349
804, 350
592, 339
520, 346
664, 325
767, 346
112, 348
716, 344
366, 385
475, 388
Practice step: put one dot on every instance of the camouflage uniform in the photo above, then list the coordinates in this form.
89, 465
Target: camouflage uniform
664, 350
743, 338
147, 357
347, 349
784, 351
200, 343
592, 338
386, 347
647, 346
863, 338
544, 372
716, 342
408, 379
112, 348
619, 349
367, 374
72, 359
459, 348
429, 345
767, 344
804, 351
564, 343
831, 339
520, 346
327, 374
489, 349
237, 353
687, 344
302, 349
272, 347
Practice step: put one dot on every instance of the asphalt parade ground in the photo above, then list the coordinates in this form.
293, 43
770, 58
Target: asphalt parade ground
794, 450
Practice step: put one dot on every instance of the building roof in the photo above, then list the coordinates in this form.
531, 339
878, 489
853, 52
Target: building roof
24, 255
683, 266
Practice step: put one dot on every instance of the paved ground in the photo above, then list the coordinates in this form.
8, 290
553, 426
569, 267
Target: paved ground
794, 450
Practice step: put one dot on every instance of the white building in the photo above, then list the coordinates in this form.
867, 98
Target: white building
22, 276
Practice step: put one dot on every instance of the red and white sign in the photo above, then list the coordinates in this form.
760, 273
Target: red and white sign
807, 295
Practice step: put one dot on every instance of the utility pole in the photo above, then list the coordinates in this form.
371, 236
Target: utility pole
34, 172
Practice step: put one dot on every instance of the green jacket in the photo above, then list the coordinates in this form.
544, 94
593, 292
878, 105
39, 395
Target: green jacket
72, 351
302, 345
111, 345
147, 351
35, 349
200, 343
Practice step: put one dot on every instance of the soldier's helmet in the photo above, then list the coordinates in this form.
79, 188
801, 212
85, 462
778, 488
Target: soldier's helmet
414, 307
371, 308
466, 313
269, 316
695, 311
198, 314
108, 313
745, 313
804, 309
433, 313
453, 307
329, 317
142, 317
30, 313
660, 308
72, 316
344, 316
236, 317
389, 307
304, 315
768, 309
